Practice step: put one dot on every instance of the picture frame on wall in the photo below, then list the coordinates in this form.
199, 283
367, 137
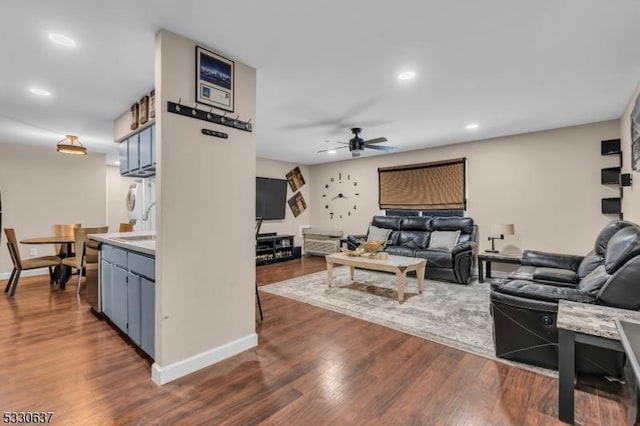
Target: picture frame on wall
214, 80
134, 116
152, 104
295, 179
144, 109
635, 136
297, 204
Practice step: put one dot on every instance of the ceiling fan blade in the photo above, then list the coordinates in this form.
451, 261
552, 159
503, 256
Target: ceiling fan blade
376, 140
332, 149
343, 143
381, 148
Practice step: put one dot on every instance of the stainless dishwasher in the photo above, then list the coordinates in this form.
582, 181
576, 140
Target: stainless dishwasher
92, 272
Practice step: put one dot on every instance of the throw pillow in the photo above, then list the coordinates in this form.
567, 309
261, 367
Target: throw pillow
444, 239
378, 234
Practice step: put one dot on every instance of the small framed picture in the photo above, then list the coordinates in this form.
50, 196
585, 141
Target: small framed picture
635, 136
144, 109
297, 204
152, 104
134, 116
214, 79
295, 179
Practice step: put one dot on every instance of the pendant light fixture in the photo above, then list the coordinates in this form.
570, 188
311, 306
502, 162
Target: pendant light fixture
71, 145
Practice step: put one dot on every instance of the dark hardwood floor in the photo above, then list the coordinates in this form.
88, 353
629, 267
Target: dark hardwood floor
312, 367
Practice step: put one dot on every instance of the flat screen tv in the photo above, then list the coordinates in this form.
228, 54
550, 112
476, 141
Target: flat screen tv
271, 198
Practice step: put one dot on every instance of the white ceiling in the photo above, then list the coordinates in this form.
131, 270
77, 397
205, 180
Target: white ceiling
510, 66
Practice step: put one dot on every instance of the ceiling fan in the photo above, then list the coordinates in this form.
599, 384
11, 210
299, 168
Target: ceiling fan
356, 145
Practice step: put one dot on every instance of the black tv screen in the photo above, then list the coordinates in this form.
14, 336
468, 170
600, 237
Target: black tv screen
271, 198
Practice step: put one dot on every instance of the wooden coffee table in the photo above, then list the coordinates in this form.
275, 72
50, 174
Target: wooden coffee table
399, 265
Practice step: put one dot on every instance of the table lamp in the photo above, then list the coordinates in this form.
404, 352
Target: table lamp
502, 230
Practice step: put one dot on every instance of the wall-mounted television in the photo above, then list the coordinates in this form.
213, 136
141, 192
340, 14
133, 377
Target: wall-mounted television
271, 198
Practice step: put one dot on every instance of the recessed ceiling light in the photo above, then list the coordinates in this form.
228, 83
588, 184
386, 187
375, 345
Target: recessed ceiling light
39, 92
332, 151
471, 126
62, 40
407, 75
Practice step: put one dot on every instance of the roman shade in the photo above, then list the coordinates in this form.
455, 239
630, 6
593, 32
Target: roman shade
438, 185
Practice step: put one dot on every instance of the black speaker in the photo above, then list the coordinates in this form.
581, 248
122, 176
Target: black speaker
297, 252
626, 179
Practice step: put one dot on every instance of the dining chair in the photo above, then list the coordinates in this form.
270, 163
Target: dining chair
63, 231
125, 227
84, 254
20, 265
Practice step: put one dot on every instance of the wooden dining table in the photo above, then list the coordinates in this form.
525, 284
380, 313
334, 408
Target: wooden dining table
66, 242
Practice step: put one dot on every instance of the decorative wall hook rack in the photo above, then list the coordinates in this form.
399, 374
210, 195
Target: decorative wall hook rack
211, 117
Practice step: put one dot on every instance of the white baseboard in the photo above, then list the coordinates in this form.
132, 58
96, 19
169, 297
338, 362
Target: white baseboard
29, 273
162, 375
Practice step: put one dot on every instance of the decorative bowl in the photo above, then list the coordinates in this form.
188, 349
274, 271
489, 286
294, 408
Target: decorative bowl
372, 246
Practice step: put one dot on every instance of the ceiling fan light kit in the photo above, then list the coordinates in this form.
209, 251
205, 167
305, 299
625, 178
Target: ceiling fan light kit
71, 145
357, 145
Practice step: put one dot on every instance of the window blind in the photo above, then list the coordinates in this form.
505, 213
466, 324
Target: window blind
437, 185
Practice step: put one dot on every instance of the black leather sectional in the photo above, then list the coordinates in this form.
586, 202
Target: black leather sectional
410, 236
524, 306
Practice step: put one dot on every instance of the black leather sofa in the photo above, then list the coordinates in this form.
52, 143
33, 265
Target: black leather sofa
410, 236
524, 306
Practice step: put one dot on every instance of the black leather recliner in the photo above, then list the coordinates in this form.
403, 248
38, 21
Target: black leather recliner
410, 236
524, 306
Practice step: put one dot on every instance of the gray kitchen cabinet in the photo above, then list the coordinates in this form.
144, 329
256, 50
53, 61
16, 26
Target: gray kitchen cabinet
147, 148
124, 157
119, 310
134, 153
133, 307
106, 288
128, 294
148, 315
137, 154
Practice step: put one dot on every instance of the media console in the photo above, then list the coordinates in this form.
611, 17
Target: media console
275, 248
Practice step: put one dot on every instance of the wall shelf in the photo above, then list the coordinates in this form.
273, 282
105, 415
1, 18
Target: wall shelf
611, 176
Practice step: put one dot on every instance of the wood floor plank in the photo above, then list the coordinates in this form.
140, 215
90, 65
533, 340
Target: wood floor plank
312, 366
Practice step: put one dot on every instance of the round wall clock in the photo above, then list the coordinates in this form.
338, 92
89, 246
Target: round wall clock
340, 196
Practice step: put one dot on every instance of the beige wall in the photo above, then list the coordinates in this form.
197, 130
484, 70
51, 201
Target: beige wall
41, 187
291, 225
631, 196
117, 187
205, 278
546, 183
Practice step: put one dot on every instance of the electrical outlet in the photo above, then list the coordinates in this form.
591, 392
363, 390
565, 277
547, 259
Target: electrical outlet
33, 252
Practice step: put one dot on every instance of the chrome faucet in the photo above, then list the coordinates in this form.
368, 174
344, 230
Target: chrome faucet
145, 215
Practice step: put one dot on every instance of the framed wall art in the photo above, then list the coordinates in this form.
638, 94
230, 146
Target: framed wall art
144, 109
134, 116
214, 79
152, 104
297, 204
635, 136
295, 179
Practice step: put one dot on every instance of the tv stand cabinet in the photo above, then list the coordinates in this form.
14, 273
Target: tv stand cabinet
275, 248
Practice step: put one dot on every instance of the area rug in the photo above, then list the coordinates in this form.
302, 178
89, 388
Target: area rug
450, 314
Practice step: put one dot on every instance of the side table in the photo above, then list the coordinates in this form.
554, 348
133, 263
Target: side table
495, 257
589, 324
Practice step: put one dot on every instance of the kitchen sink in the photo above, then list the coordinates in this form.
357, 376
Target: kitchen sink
135, 238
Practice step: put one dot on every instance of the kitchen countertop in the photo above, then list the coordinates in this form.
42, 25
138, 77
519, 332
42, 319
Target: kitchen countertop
123, 240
